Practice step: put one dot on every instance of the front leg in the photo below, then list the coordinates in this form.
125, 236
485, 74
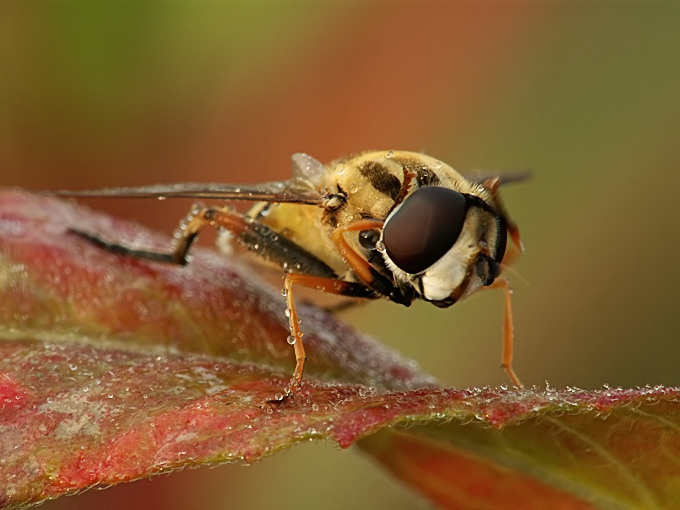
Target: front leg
363, 269
508, 331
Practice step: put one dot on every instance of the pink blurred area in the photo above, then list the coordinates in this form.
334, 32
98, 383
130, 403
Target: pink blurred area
584, 94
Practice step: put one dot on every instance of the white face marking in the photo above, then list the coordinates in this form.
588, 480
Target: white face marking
443, 276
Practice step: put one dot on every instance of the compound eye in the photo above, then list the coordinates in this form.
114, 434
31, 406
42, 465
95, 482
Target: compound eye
424, 227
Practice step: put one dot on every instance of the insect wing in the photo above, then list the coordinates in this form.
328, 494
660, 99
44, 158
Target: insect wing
295, 191
305, 168
479, 176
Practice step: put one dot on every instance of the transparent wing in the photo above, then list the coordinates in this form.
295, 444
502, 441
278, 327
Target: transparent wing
306, 168
296, 190
506, 177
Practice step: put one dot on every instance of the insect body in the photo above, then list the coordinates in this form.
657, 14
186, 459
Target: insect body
385, 224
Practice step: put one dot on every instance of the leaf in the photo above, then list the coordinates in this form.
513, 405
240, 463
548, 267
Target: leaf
59, 287
567, 449
114, 369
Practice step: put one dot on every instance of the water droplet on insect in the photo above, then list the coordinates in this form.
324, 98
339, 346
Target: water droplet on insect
389, 154
291, 339
287, 312
284, 292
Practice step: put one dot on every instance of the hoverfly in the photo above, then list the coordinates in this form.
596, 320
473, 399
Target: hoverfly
381, 224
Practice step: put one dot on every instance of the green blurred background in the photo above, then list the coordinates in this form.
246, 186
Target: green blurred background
583, 93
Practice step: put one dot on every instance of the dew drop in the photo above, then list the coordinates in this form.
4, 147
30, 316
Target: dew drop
291, 339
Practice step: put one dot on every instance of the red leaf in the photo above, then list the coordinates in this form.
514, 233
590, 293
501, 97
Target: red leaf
60, 287
567, 449
114, 369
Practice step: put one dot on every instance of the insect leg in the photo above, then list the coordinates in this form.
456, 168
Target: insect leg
295, 337
362, 268
197, 218
360, 265
253, 235
330, 285
316, 275
508, 331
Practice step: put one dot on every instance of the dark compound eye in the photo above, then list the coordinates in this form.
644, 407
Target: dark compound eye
424, 228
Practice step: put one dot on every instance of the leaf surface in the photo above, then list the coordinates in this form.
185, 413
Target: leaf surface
113, 369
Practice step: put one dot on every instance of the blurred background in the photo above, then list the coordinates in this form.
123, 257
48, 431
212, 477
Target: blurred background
586, 94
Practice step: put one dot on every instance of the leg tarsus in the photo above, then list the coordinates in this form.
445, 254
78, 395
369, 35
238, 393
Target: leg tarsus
295, 338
